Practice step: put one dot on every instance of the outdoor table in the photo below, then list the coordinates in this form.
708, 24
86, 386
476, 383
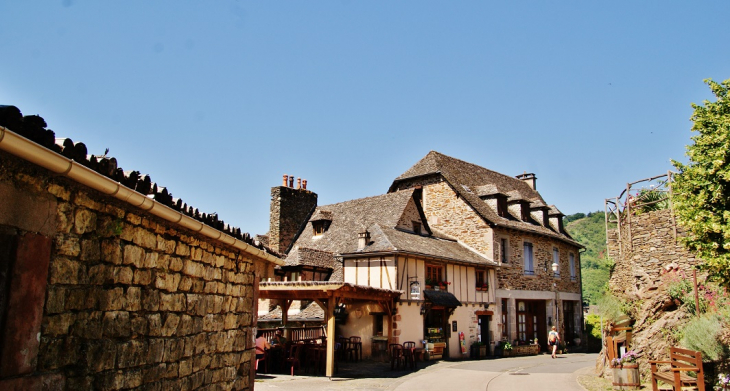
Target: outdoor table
276, 356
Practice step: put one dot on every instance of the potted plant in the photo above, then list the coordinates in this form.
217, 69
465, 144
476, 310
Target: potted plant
482, 348
482, 286
429, 283
626, 371
478, 350
443, 284
506, 349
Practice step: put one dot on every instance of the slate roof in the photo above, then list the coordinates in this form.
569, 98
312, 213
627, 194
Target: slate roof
312, 312
380, 216
471, 181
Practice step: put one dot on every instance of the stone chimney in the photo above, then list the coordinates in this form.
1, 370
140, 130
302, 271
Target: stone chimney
289, 213
363, 238
528, 178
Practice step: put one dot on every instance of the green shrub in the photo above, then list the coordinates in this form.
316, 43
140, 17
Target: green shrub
702, 334
611, 307
648, 200
593, 326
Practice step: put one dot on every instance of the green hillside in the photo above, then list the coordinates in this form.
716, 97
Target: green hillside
590, 231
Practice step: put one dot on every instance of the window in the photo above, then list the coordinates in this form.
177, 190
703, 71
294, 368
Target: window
572, 267
320, 226
529, 266
378, 324
556, 261
504, 245
522, 326
434, 274
504, 319
481, 280
416, 227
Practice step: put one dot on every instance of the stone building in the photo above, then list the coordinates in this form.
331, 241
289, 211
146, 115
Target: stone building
107, 286
511, 271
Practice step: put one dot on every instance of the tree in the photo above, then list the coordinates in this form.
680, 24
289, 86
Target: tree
701, 189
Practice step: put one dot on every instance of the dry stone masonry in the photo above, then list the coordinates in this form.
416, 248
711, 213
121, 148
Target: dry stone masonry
647, 244
97, 294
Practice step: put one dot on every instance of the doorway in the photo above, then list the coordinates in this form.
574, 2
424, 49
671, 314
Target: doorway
484, 332
531, 322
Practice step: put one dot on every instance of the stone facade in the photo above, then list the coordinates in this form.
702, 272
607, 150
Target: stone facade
104, 296
449, 214
647, 244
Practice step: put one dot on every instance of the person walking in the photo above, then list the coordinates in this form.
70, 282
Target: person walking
553, 340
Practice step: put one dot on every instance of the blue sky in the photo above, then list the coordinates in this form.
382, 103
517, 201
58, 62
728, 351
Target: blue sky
217, 100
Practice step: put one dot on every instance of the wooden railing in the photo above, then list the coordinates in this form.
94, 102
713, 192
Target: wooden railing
297, 333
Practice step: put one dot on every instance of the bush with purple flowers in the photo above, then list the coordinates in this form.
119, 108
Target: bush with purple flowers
723, 382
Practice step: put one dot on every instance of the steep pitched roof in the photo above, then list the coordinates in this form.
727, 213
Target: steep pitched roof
380, 216
471, 181
394, 240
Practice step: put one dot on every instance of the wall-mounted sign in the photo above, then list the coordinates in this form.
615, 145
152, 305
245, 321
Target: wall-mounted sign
415, 290
453, 326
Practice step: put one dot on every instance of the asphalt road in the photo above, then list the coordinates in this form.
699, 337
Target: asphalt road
538, 373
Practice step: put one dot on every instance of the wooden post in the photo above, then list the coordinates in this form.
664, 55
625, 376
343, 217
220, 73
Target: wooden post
697, 297
285, 304
331, 302
671, 205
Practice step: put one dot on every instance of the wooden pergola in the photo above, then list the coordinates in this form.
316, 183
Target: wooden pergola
328, 295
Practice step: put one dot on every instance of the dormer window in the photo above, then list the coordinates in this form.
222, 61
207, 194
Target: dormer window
321, 222
416, 227
502, 206
320, 227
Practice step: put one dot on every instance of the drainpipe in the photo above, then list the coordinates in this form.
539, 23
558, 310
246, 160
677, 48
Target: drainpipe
41, 156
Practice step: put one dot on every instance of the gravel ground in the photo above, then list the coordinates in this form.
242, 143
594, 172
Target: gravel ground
592, 382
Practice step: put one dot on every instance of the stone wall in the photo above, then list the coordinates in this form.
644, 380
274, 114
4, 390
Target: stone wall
512, 276
647, 245
104, 296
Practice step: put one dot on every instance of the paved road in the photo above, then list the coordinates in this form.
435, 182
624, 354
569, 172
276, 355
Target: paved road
539, 373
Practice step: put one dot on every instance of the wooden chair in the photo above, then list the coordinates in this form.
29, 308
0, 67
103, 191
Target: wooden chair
619, 336
408, 353
680, 360
354, 349
294, 357
396, 356
265, 359
341, 347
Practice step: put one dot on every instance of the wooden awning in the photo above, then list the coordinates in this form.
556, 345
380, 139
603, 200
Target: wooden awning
318, 290
328, 295
442, 298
